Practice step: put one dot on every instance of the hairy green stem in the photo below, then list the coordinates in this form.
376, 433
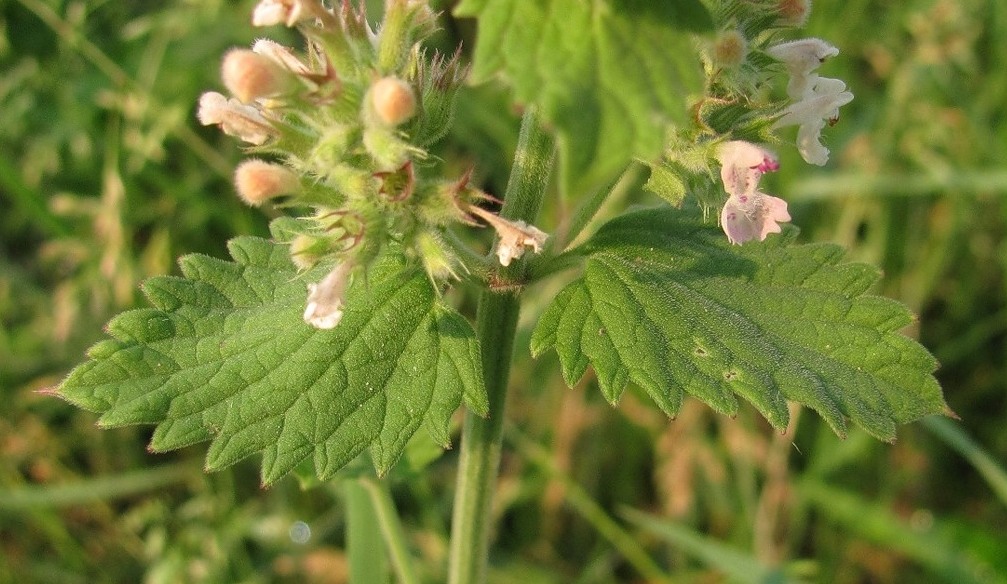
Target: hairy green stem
496, 322
391, 529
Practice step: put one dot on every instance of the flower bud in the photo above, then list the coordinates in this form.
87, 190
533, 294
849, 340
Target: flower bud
308, 250
258, 181
729, 49
438, 260
287, 12
249, 75
392, 100
793, 12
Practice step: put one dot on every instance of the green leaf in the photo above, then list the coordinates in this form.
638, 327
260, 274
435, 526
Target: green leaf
610, 75
667, 303
226, 356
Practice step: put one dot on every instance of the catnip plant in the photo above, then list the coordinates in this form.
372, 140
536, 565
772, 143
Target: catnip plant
327, 348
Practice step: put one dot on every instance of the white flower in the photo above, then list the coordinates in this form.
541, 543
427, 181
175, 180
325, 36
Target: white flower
816, 99
287, 12
515, 236
325, 299
234, 118
281, 55
801, 58
811, 114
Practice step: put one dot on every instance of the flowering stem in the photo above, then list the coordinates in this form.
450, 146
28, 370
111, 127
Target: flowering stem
496, 322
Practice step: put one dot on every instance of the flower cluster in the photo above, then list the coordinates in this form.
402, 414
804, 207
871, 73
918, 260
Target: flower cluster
733, 117
748, 214
342, 131
816, 99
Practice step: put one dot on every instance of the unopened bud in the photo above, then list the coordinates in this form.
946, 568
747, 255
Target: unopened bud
393, 100
257, 181
729, 49
793, 12
307, 250
249, 75
287, 12
438, 260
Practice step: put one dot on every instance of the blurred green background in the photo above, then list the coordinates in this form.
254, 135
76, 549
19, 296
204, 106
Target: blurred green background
105, 178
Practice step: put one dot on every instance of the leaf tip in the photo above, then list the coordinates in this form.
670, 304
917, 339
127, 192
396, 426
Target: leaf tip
947, 411
51, 392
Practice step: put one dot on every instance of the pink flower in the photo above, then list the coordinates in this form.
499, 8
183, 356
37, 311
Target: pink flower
748, 217
743, 164
748, 214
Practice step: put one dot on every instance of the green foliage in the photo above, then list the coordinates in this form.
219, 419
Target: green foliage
916, 186
225, 355
666, 303
609, 75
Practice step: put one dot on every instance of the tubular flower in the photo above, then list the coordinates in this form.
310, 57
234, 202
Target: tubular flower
811, 113
816, 99
325, 299
747, 217
515, 236
801, 58
743, 164
748, 213
234, 118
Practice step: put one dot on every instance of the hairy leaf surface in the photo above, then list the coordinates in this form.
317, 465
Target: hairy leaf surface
666, 303
225, 356
609, 74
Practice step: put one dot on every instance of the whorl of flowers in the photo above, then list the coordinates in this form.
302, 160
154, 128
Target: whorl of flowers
734, 117
343, 130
